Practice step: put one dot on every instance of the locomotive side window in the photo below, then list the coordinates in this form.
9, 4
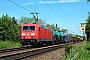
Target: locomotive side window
39, 29
32, 27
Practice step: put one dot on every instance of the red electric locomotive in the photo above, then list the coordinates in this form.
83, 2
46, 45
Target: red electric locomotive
31, 34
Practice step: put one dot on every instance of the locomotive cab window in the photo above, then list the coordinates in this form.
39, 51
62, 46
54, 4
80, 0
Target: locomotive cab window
25, 27
28, 27
32, 27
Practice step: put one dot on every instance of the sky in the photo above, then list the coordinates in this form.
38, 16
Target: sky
67, 14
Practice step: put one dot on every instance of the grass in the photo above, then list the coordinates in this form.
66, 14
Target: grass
73, 50
9, 44
84, 54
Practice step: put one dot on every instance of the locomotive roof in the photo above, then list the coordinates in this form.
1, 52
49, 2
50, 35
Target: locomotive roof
29, 24
36, 24
45, 27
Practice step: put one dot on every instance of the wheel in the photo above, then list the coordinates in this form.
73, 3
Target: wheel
23, 44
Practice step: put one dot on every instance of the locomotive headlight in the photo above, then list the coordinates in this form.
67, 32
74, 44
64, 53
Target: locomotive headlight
22, 37
32, 34
23, 34
33, 37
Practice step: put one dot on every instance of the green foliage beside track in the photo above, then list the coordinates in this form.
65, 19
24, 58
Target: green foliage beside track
87, 27
9, 44
70, 51
84, 51
9, 28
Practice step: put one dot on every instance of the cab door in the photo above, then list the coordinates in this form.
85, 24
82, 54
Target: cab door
39, 33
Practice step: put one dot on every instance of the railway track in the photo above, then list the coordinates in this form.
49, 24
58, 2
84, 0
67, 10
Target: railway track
17, 49
20, 53
30, 52
13, 49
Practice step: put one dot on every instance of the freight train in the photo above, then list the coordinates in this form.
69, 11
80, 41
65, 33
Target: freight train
31, 34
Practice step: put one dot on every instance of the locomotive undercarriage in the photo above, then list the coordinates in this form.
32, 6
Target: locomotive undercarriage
28, 42
41, 41
34, 42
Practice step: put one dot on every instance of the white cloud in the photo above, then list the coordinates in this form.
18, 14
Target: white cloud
70, 1
48, 1
27, 3
60, 1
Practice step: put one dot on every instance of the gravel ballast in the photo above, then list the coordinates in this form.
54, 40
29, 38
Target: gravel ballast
52, 55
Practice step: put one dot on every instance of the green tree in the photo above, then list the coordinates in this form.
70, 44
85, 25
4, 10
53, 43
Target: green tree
71, 34
63, 30
52, 26
78, 36
9, 28
87, 28
48, 25
29, 20
24, 20
42, 22
88, 0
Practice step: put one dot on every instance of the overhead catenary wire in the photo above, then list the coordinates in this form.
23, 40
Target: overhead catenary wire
39, 11
65, 13
67, 17
35, 8
25, 8
57, 13
19, 5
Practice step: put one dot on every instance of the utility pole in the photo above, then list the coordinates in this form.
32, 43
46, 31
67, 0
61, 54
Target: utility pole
56, 26
35, 16
88, 1
73, 34
82, 29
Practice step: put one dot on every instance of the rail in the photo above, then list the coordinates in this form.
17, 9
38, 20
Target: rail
13, 49
76, 56
26, 54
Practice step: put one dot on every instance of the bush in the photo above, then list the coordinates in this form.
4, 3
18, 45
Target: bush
9, 28
84, 54
9, 44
